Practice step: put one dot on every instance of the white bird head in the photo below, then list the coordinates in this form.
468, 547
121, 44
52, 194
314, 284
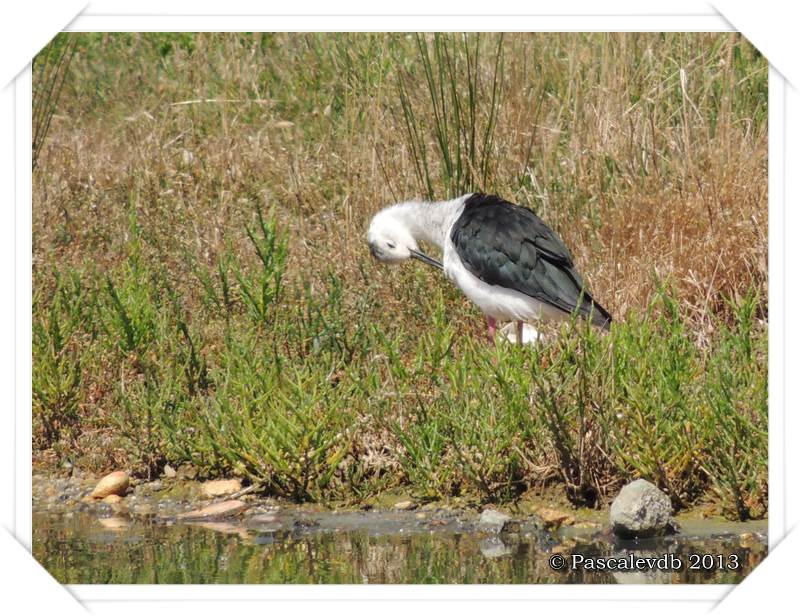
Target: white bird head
391, 241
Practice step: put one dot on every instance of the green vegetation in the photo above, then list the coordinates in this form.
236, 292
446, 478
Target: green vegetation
203, 294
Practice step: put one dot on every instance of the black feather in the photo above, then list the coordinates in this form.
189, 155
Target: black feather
508, 245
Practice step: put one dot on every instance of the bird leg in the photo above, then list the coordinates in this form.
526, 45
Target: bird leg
492, 328
520, 329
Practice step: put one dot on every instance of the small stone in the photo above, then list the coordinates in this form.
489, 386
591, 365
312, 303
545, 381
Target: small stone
641, 510
492, 521
112, 499
225, 509
553, 519
405, 505
113, 483
186, 472
221, 487
169, 472
747, 540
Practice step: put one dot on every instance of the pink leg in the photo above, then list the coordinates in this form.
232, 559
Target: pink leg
492, 328
520, 330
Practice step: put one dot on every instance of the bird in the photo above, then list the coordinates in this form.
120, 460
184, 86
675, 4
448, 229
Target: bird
501, 255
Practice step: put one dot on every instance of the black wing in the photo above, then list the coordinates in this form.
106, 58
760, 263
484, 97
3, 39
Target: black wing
508, 245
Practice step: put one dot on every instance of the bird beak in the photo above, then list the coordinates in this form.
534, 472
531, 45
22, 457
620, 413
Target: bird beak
426, 259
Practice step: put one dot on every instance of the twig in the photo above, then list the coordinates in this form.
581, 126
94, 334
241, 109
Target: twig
242, 492
257, 101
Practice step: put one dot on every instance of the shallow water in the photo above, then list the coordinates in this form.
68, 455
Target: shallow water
364, 547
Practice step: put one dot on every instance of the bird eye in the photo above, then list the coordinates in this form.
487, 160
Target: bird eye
390, 244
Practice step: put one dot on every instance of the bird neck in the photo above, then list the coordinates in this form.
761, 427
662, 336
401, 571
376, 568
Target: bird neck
429, 221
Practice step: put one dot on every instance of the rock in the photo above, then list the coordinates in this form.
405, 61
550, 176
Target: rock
747, 540
186, 472
225, 509
112, 499
221, 487
113, 483
641, 510
553, 519
492, 521
405, 505
169, 472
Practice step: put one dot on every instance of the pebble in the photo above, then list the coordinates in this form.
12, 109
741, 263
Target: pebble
405, 505
113, 483
169, 472
493, 521
221, 487
552, 519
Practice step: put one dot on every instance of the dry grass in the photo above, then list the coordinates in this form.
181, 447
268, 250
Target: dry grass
594, 132
647, 152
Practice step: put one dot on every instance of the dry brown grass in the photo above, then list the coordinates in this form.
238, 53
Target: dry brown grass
633, 187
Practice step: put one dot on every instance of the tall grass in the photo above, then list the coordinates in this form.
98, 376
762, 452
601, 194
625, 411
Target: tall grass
51, 68
202, 292
460, 111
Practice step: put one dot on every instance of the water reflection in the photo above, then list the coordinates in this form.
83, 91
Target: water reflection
81, 549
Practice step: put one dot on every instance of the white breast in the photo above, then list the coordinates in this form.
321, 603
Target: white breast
495, 301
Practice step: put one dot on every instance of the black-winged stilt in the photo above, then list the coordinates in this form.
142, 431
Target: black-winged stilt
501, 255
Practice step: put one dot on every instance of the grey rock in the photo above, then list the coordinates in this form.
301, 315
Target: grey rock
169, 472
493, 521
641, 510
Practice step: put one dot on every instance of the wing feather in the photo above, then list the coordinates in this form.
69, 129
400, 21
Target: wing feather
508, 245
